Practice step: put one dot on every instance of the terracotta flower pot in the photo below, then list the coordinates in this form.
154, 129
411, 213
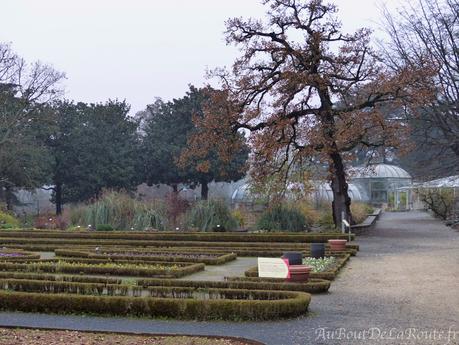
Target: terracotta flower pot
299, 273
337, 245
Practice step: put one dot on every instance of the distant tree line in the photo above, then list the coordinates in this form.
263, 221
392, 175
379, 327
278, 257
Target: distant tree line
77, 150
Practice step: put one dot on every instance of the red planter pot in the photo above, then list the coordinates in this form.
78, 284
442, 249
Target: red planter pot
337, 245
299, 273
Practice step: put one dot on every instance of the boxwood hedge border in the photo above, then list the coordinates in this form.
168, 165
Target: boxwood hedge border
291, 305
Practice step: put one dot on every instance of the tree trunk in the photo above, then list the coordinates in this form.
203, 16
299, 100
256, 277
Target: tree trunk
455, 148
341, 204
9, 198
58, 198
204, 190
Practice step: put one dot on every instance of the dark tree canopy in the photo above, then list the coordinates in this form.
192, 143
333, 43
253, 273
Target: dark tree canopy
94, 147
167, 130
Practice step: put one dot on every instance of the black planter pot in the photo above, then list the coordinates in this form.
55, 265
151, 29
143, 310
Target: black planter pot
294, 258
317, 250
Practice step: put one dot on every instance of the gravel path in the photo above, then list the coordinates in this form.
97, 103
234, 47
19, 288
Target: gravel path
235, 268
404, 281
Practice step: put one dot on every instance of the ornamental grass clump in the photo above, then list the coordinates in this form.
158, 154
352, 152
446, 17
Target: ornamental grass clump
121, 212
360, 212
211, 215
282, 217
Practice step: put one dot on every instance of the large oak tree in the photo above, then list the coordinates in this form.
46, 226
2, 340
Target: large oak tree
306, 90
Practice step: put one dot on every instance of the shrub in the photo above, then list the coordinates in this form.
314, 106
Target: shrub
360, 212
211, 215
282, 217
439, 201
8, 221
44, 222
104, 227
310, 213
326, 219
176, 208
239, 216
49, 221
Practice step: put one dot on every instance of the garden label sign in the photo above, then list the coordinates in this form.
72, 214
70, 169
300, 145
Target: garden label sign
273, 268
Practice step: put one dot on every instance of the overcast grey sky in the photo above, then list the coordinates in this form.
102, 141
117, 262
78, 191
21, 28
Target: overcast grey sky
139, 49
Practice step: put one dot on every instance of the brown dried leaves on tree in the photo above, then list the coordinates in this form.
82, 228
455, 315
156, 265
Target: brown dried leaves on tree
303, 89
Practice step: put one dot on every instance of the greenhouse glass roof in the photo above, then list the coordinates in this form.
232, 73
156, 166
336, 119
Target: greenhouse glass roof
378, 171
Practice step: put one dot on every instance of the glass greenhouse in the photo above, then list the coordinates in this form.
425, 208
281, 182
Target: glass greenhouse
376, 184
379, 183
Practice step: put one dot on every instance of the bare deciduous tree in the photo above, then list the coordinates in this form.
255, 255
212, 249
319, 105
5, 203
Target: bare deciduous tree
24, 90
428, 31
23, 87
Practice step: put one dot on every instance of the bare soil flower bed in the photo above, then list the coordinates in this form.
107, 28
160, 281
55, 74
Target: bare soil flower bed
153, 254
10, 254
41, 337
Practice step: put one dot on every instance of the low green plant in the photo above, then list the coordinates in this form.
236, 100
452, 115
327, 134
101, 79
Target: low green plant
8, 221
211, 215
282, 217
104, 227
320, 264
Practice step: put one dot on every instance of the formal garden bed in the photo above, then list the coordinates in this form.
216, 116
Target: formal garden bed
131, 273
11, 255
244, 249
144, 255
166, 270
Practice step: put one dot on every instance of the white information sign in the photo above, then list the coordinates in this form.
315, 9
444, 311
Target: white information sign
273, 268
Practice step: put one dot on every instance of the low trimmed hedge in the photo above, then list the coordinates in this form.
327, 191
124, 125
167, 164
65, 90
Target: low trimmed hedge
275, 305
218, 259
180, 236
312, 286
50, 267
45, 286
64, 278
11, 242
